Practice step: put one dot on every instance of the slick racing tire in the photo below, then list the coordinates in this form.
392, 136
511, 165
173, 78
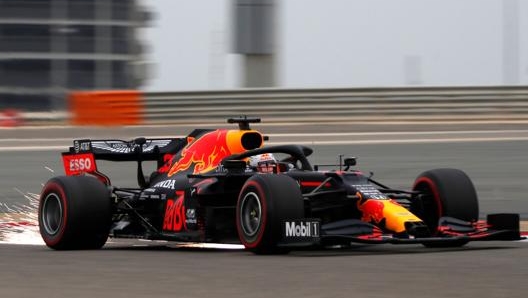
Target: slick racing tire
264, 203
445, 192
74, 213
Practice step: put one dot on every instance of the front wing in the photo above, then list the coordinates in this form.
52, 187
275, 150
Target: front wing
450, 232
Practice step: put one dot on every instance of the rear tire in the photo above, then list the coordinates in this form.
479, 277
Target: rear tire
74, 213
264, 204
446, 192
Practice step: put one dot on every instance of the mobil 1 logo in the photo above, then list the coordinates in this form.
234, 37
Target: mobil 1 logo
304, 230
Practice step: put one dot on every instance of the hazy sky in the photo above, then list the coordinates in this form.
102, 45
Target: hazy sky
336, 43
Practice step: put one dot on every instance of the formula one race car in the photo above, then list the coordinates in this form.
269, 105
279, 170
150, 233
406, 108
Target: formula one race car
225, 186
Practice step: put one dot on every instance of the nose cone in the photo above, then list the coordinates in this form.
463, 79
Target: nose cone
395, 216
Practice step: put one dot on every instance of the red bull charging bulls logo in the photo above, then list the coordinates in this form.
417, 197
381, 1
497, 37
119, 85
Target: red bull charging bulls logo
372, 210
203, 154
394, 215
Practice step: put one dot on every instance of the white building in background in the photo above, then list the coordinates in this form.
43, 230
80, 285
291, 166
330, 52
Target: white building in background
49, 47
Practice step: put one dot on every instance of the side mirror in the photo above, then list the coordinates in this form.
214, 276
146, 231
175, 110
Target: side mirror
350, 161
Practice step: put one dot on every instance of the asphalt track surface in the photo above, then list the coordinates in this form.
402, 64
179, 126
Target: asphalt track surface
493, 155
477, 270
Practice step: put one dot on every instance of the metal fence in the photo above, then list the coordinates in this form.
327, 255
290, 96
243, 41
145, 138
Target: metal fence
328, 105
341, 104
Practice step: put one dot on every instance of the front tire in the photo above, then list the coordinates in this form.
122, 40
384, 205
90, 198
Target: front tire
74, 213
445, 192
264, 204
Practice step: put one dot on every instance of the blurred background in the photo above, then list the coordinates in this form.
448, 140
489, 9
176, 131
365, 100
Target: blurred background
49, 48
346, 43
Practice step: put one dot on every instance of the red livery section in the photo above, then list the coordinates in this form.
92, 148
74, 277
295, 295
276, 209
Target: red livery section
175, 214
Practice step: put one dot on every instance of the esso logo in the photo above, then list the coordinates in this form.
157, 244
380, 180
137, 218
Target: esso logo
80, 164
75, 164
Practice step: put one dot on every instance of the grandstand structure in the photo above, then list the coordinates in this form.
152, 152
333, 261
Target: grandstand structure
51, 47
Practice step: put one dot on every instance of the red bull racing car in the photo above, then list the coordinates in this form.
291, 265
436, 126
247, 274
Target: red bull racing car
225, 186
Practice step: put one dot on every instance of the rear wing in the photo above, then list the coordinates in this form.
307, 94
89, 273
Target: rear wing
82, 156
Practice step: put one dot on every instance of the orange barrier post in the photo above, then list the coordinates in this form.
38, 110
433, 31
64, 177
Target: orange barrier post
10, 118
106, 107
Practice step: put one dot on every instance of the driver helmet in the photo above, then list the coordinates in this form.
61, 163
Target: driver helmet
264, 163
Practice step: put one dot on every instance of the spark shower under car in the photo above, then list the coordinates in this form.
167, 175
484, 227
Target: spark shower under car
19, 223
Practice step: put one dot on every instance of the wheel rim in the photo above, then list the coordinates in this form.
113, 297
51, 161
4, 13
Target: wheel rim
52, 214
251, 214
